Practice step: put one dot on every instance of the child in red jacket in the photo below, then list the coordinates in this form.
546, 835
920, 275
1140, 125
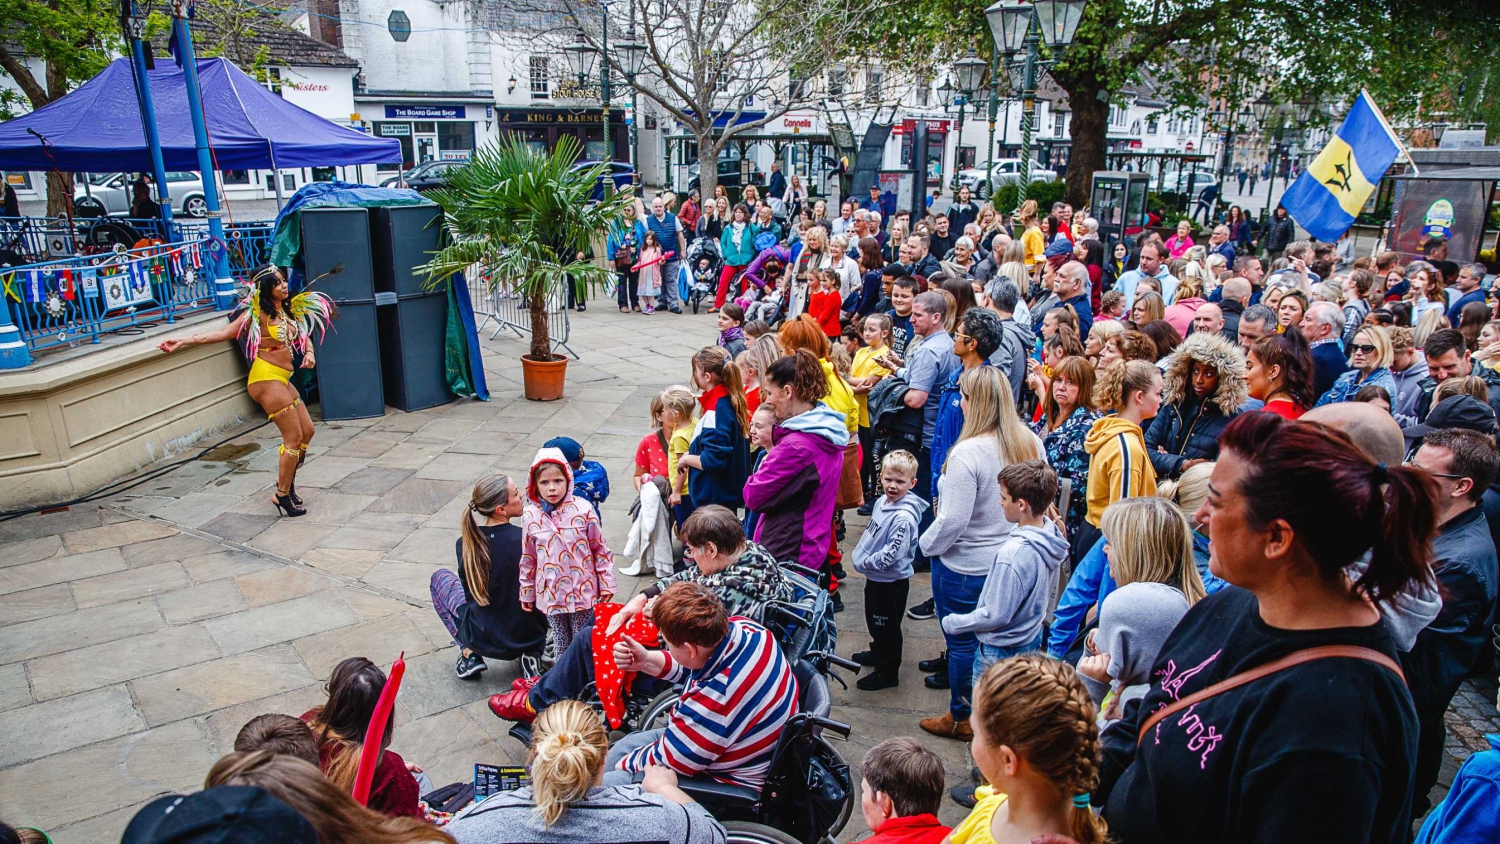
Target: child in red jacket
900, 793
824, 301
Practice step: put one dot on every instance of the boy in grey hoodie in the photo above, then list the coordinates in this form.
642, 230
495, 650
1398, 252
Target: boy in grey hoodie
1008, 619
884, 556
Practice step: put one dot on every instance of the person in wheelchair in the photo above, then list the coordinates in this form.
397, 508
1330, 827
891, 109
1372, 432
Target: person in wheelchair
566, 801
743, 575
738, 693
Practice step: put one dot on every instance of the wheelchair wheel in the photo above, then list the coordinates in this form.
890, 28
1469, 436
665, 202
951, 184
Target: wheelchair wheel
744, 832
654, 716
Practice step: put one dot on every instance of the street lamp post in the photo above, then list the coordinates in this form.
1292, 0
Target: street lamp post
581, 56
1019, 27
1225, 117
989, 167
970, 70
629, 56
1300, 112
632, 55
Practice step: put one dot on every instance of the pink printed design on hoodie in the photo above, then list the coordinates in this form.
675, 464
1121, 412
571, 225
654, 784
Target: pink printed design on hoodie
565, 565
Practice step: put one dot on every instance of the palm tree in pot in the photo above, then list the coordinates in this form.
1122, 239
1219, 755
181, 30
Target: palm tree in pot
526, 219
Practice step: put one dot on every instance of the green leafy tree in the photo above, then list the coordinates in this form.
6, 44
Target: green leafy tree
1223, 53
72, 39
525, 218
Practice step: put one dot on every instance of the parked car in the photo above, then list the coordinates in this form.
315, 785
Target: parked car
428, 175
109, 194
729, 174
1006, 171
1177, 181
622, 173
413, 173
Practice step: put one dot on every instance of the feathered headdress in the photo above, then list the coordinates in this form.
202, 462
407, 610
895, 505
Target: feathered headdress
307, 312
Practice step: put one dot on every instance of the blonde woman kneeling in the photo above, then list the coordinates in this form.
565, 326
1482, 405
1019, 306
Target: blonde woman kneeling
566, 802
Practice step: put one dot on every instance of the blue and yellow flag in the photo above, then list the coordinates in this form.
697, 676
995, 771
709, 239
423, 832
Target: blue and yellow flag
1329, 194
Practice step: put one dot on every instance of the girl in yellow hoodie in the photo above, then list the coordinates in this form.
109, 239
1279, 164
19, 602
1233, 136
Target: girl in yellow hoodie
1119, 466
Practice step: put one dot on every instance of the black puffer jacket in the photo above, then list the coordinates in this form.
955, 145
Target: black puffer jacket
1186, 427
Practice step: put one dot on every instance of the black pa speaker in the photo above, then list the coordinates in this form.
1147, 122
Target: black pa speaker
412, 342
349, 384
333, 236
403, 237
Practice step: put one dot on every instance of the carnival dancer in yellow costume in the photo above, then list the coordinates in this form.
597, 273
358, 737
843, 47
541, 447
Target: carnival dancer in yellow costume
272, 323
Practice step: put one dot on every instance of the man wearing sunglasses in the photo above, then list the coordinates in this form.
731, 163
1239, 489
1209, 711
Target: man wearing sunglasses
1463, 463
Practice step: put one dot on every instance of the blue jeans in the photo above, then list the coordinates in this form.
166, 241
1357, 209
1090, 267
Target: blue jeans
622, 748
987, 655
957, 593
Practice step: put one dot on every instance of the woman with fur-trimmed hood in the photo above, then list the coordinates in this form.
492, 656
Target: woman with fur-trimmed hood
1203, 387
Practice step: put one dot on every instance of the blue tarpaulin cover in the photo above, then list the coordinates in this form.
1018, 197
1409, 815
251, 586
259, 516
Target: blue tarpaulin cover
97, 128
286, 248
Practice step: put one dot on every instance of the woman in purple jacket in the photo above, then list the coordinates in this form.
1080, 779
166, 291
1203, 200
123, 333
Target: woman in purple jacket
796, 484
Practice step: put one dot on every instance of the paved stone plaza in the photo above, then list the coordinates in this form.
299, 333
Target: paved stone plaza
141, 632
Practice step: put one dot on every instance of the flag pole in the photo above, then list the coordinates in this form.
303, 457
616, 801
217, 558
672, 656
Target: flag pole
1380, 115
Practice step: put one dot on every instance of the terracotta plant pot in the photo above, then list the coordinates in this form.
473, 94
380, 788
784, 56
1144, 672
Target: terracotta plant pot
543, 379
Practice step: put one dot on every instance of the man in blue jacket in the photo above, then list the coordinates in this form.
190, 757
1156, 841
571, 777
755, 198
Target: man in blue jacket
1322, 325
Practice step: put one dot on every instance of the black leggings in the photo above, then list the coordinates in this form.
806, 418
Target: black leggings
627, 282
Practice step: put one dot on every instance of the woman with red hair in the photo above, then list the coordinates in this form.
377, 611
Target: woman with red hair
1278, 710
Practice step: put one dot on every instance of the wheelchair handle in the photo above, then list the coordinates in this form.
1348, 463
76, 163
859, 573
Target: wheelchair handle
837, 727
810, 574
823, 660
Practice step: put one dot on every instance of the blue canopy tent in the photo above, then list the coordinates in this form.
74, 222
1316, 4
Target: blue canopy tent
97, 128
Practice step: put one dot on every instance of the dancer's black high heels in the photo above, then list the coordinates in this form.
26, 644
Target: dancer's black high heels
287, 506
291, 492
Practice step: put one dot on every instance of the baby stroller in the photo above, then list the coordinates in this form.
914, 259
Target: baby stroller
703, 247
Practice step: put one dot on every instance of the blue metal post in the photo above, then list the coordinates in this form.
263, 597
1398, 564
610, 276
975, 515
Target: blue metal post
14, 353
133, 28
218, 258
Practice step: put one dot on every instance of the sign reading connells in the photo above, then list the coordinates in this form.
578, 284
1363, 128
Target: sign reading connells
425, 112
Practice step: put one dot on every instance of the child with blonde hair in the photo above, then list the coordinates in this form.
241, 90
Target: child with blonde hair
1150, 548
678, 404
1036, 743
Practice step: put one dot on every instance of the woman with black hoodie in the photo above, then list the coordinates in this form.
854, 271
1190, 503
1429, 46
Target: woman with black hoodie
1203, 387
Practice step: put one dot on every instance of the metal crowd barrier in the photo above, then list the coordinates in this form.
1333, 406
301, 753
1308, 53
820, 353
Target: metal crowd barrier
79, 299
508, 310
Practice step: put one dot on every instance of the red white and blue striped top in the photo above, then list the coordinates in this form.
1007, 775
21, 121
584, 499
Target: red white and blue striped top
732, 710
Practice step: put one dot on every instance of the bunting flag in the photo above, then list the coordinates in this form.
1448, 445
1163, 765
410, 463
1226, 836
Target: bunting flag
34, 290
65, 284
9, 281
90, 281
196, 254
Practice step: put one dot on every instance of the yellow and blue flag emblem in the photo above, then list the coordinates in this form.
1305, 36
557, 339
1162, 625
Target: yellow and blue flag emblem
1329, 194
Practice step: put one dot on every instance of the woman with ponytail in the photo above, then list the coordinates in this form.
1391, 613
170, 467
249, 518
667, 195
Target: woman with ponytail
718, 459
1319, 744
481, 604
339, 728
1037, 745
565, 801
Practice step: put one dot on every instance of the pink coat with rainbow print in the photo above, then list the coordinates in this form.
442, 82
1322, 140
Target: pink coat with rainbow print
565, 565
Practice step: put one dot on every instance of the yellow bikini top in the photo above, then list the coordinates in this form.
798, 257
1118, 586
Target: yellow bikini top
274, 329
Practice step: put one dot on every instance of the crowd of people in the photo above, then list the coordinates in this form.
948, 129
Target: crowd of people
1211, 541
